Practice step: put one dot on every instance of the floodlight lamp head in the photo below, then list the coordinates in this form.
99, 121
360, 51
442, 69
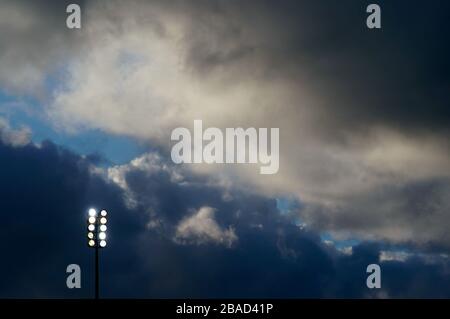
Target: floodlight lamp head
92, 212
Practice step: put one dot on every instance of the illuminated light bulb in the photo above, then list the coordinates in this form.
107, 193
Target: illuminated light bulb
103, 228
91, 243
102, 235
103, 220
92, 212
91, 220
91, 227
103, 243
103, 213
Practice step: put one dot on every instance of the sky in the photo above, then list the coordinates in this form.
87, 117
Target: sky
86, 117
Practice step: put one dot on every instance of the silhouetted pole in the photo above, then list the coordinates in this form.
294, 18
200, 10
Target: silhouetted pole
97, 239
96, 266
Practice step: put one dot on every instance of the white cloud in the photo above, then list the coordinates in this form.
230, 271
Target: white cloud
394, 256
14, 137
149, 163
202, 228
402, 256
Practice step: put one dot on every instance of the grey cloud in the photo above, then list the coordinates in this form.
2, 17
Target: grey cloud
363, 115
423, 219
34, 44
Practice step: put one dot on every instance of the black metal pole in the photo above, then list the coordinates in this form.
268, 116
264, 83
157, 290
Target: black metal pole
96, 261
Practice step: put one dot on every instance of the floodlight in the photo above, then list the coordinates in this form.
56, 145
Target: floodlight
97, 238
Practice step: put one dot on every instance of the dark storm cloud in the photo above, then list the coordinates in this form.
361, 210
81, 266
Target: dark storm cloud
401, 279
396, 77
46, 191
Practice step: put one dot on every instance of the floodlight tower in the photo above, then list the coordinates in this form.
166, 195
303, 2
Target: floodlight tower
97, 239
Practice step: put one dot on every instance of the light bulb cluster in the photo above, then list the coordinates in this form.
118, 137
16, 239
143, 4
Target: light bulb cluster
97, 228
